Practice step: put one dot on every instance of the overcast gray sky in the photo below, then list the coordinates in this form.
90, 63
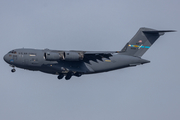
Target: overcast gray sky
146, 92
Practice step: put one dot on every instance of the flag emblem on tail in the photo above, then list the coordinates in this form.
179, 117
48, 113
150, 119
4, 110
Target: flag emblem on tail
140, 41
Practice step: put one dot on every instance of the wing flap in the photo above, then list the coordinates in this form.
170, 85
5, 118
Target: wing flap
97, 56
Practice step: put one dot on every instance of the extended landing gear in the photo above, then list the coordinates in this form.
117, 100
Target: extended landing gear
60, 76
13, 70
69, 75
78, 74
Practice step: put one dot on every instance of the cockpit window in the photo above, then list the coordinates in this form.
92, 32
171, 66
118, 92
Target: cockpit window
13, 51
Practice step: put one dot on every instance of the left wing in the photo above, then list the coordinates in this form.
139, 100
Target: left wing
97, 55
74, 55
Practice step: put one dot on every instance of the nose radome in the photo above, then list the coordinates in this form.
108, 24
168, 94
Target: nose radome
5, 58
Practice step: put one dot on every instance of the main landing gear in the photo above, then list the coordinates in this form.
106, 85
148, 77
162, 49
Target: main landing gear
60, 76
67, 77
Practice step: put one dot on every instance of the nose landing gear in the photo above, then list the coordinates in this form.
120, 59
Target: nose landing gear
13, 70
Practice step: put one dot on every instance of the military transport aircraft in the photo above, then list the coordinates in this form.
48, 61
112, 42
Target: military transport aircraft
77, 63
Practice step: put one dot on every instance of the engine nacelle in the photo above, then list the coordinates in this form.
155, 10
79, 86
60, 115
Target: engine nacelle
67, 56
53, 56
73, 56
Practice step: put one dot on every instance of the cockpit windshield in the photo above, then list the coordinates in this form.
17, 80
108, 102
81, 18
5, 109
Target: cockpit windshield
13, 51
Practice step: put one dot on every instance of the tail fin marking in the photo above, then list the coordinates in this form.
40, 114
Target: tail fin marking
142, 41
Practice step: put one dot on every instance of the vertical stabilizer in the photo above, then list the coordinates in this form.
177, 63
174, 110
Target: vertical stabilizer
142, 41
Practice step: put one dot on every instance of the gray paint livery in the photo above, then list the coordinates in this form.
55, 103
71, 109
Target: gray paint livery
77, 63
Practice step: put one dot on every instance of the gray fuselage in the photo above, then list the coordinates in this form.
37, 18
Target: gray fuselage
77, 63
34, 59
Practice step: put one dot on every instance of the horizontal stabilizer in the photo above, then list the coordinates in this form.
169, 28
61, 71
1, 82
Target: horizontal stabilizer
160, 32
156, 31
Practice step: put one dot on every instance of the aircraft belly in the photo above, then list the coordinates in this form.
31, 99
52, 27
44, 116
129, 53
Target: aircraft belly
64, 67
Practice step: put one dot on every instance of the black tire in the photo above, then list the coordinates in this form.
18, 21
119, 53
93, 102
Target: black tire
13, 70
60, 76
68, 77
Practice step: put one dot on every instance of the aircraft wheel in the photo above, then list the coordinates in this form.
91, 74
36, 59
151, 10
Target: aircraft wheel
60, 76
68, 76
77, 74
13, 70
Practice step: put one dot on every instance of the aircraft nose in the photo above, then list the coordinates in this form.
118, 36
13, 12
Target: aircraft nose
5, 58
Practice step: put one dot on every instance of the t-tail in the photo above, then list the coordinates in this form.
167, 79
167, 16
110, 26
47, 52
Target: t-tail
142, 41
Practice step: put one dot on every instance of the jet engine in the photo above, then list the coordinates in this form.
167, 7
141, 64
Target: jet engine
67, 56
73, 56
53, 56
